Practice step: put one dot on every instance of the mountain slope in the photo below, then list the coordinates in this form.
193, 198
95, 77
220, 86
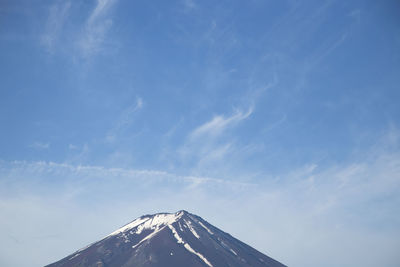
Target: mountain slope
168, 240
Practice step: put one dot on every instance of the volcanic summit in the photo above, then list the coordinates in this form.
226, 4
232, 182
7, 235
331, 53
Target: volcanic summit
168, 240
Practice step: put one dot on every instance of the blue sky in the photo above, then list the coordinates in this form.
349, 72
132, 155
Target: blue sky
277, 121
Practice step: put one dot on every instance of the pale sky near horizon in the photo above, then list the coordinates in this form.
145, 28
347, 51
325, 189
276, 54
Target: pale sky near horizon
276, 121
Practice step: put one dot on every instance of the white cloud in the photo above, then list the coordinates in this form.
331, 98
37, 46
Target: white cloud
96, 28
42, 170
58, 15
189, 5
40, 145
206, 146
72, 147
100, 10
126, 116
220, 123
89, 38
79, 153
124, 120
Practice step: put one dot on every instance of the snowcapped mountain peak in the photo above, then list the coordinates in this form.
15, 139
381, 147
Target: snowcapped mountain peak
166, 240
153, 222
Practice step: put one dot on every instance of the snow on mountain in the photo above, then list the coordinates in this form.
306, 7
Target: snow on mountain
168, 239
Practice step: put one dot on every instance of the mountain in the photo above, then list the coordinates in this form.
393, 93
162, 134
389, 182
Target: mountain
168, 240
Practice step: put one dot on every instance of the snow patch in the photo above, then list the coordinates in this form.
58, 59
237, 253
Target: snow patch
148, 237
176, 235
227, 247
205, 227
129, 226
189, 224
153, 222
180, 226
76, 255
82, 249
187, 246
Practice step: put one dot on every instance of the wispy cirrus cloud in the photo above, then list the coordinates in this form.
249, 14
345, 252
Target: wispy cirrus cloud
58, 15
125, 119
40, 145
218, 124
189, 5
209, 144
30, 176
88, 38
96, 28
